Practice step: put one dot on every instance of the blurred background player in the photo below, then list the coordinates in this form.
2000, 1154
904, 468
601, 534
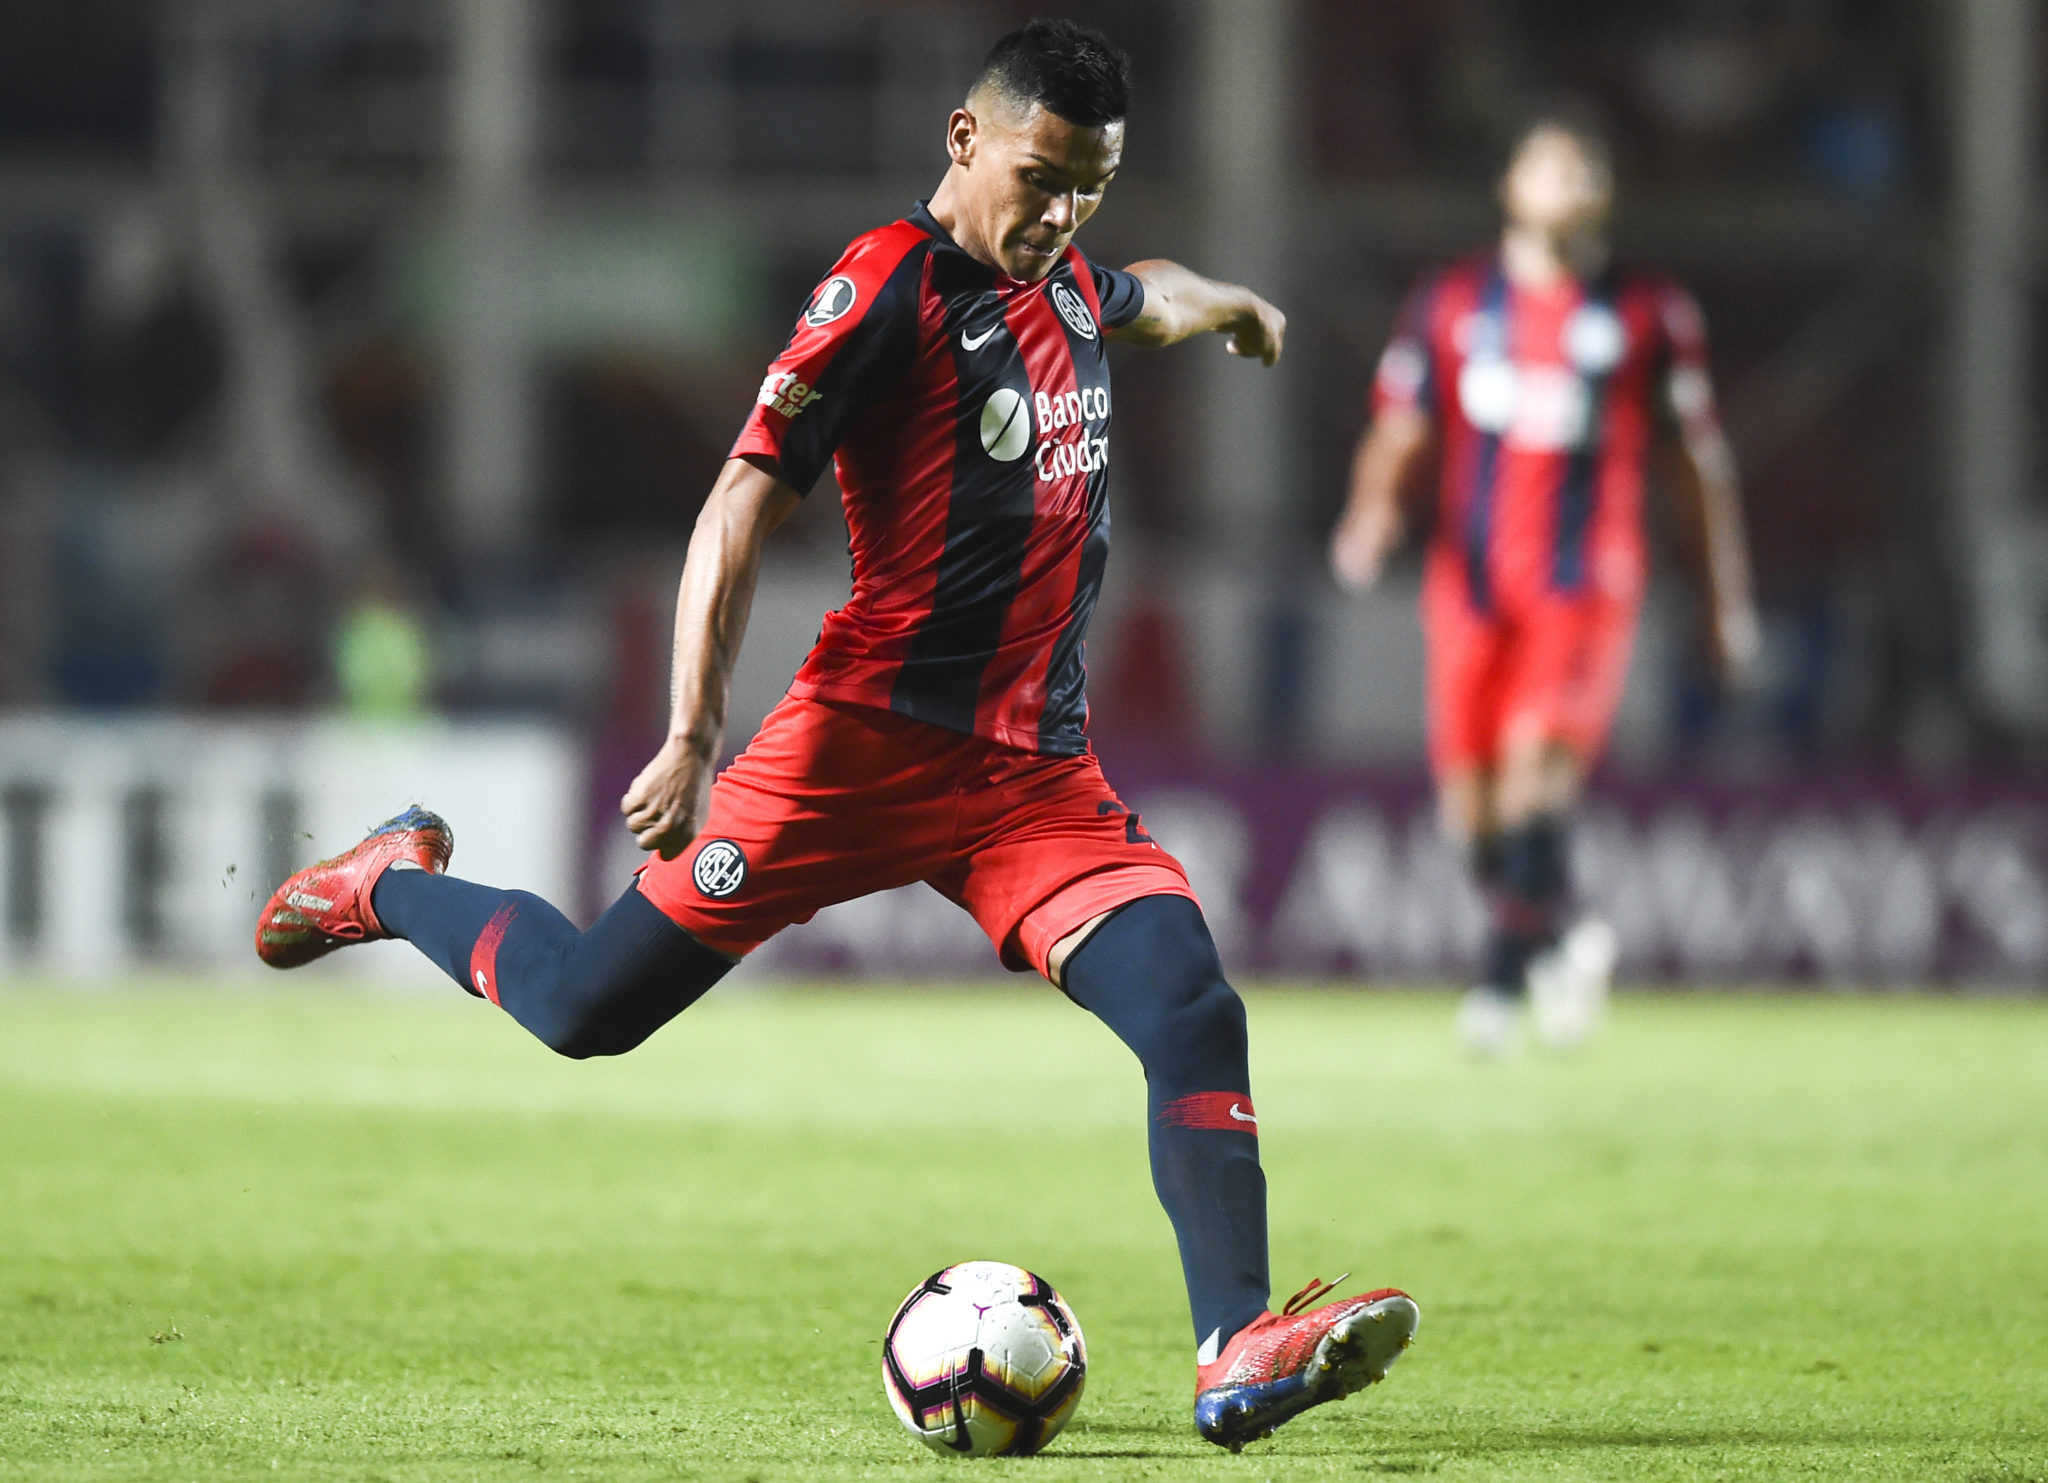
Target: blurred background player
1540, 376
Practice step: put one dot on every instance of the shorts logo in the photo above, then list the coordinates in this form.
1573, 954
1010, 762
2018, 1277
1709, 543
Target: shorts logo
720, 869
834, 297
1073, 311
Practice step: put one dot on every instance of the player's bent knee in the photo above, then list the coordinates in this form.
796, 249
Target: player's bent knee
588, 1037
1205, 1035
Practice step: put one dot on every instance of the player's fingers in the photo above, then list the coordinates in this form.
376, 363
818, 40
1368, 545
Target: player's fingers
654, 833
649, 826
640, 798
678, 832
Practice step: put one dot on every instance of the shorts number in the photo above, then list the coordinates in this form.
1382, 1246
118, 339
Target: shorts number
1134, 828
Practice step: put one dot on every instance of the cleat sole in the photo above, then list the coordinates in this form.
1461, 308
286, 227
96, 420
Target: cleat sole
1359, 1351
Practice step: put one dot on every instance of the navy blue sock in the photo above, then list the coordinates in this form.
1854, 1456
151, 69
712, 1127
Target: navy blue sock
594, 993
1530, 886
1152, 975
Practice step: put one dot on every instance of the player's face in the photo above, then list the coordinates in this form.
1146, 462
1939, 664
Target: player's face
1030, 182
1555, 185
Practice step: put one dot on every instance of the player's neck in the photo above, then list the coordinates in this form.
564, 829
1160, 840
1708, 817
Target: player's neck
1535, 259
945, 209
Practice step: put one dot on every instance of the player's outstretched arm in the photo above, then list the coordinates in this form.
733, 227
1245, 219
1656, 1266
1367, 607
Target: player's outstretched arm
1710, 508
1389, 456
666, 802
1180, 303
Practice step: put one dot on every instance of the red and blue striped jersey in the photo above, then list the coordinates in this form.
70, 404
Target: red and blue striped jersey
1547, 402
967, 416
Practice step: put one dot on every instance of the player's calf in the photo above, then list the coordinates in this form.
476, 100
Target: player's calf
599, 992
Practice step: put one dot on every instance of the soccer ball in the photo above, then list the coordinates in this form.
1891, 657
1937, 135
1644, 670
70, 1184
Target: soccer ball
984, 1358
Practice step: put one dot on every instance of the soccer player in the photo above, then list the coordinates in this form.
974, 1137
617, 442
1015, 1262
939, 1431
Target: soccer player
1541, 376
953, 363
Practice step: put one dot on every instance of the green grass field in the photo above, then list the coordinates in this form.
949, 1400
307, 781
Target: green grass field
317, 1235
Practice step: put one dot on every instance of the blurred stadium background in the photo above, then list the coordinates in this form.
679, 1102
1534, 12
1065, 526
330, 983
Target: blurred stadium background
363, 364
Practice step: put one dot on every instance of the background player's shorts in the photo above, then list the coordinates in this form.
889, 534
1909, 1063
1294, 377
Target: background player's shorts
1551, 672
832, 801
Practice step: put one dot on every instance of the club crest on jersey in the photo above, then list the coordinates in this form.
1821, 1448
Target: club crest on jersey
720, 869
834, 297
1072, 310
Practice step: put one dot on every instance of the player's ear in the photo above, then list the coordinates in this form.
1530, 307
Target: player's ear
961, 131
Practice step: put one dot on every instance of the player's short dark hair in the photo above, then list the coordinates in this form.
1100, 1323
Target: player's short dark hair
1072, 70
1579, 119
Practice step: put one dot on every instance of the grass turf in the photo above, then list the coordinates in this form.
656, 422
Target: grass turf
318, 1235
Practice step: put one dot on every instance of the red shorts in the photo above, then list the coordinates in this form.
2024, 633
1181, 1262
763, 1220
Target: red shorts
1551, 673
832, 801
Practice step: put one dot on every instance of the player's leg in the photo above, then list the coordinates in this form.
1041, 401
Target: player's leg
591, 993
1464, 812
1064, 879
1561, 699
1536, 789
598, 992
1489, 1016
1151, 973
1566, 958
1468, 656
825, 804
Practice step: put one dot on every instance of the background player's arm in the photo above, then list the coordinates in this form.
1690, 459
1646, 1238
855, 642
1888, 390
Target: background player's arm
1390, 457
1180, 303
666, 803
1710, 512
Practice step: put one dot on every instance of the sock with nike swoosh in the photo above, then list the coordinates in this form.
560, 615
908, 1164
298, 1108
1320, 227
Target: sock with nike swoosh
1151, 974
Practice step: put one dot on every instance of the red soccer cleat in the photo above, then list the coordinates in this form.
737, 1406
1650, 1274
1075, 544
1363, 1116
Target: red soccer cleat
1282, 1363
327, 906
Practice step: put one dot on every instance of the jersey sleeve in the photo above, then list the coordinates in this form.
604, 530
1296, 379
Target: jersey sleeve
1407, 375
1685, 383
856, 337
1121, 295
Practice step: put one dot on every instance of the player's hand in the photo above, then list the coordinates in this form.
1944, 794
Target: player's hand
1358, 550
666, 802
1258, 332
1736, 639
